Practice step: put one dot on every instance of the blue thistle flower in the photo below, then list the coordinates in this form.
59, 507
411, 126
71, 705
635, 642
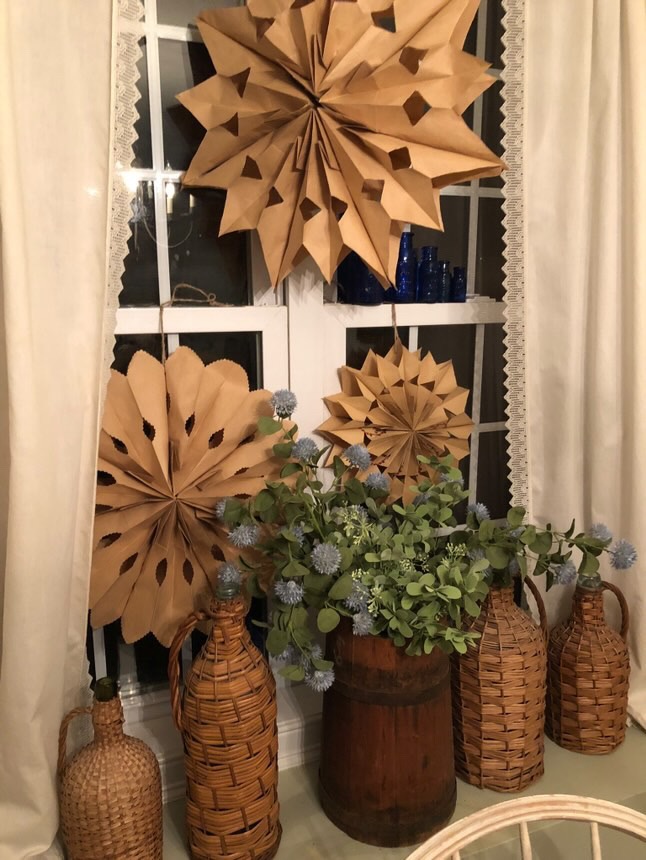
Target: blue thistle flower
299, 534
245, 535
600, 532
377, 481
517, 532
564, 574
513, 567
362, 623
289, 592
326, 559
358, 456
421, 498
358, 598
305, 449
289, 655
284, 402
219, 508
622, 554
229, 573
320, 681
481, 511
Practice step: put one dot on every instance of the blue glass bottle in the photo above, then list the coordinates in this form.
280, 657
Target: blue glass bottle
459, 284
426, 283
356, 285
444, 286
406, 273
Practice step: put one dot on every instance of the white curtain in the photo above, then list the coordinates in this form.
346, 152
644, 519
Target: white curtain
55, 175
585, 312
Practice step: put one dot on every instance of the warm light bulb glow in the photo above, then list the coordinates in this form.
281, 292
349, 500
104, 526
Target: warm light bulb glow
130, 180
170, 190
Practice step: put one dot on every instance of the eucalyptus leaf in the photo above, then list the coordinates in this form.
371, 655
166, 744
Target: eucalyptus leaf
267, 426
327, 619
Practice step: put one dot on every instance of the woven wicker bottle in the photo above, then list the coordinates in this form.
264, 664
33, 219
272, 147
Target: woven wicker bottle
588, 673
499, 696
227, 717
110, 791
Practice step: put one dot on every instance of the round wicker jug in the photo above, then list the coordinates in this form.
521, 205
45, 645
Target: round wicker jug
110, 791
227, 717
499, 691
588, 673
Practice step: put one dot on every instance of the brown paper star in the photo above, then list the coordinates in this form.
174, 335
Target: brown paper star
333, 123
176, 439
400, 406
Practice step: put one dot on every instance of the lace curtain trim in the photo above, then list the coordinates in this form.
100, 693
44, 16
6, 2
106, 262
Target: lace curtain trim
514, 232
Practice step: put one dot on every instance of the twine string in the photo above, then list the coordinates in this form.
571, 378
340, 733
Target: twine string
393, 314
204, 299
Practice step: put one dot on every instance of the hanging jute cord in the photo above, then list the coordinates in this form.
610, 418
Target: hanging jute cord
205, 298
393, 316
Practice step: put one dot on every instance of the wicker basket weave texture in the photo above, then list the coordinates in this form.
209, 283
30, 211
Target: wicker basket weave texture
499, 689
227, 716
110, 792
588, 676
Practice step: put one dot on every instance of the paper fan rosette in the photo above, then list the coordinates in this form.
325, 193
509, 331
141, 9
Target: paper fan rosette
176, 438
333, 123
400, 406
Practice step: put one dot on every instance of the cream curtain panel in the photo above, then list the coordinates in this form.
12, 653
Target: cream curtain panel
56, 152
585, 264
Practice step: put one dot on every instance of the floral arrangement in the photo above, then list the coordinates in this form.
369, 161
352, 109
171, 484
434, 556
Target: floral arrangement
343, 551
516, 547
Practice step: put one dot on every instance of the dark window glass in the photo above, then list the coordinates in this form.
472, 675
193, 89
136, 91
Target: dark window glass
489, 273
454, 343
495, 30
140, 276
142, 147
127, 345
453, 243
472, 35
492, 126
197, 256
492, 406
244, 348
182, 64
494, 489
182, 13
359, 341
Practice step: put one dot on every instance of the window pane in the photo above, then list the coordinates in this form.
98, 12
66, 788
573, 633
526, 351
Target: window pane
493, 484
454, 343
127, 345
492, 407
140, 279
453, 243
494, 46
142, 147
245, 348
197, 256
182, 13
470, 41
359, 341
492, 126
489, 273
182, 65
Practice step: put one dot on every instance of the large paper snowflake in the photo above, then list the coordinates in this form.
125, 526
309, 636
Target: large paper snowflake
176, 439
333, 123
400, 406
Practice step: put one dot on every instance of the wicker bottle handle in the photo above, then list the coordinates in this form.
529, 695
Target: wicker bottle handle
173, 663
539, 603
625, 614
62, 736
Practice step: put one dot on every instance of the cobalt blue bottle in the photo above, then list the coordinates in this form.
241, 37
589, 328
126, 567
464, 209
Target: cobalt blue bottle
426, 285
459, 284
406, 273
444, 285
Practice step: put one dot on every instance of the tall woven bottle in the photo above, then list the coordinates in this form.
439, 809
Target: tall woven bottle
227, 717
589, 669
110, 791
499, 696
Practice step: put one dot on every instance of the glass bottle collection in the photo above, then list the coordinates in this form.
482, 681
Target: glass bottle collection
430, 282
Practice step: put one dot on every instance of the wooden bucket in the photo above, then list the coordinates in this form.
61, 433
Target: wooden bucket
387, 773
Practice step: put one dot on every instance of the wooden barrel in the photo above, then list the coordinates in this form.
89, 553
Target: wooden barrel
387, 775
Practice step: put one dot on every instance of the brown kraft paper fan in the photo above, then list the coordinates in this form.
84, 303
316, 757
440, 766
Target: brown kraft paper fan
176, 439
333, 123
400, 406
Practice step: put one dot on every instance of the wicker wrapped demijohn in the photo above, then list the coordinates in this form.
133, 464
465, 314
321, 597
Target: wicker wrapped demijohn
588, 675
110, 791
499, 691
227, 717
